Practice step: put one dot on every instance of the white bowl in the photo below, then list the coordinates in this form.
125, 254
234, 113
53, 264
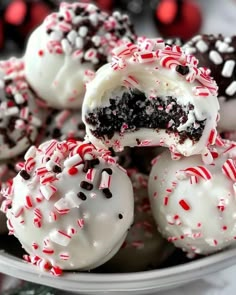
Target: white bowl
132, 283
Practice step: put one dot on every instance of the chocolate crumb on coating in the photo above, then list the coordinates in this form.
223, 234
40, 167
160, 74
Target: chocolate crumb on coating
218, 54
20, 116
93, 32
137, 111
24, 175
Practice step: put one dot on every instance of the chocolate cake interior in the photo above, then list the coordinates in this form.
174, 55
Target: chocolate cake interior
134, 110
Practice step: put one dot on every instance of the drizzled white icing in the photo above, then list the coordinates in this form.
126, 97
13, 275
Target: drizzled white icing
194, 204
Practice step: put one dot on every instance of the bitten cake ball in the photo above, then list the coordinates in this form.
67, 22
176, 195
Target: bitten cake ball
62, 53
218, 53
194, 204
70, 206
64, 124
144, 248
151, 94
20, 115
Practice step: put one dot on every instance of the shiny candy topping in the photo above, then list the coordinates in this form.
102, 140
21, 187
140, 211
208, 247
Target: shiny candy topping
84, 31
148, 51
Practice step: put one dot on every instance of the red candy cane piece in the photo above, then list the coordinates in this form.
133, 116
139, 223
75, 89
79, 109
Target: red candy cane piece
90, 175
169, 62
56, 271
51, 148
193, 179
200, 171
184, 205
229, 169
29, 164
212, 136
105, 180
131, 81
28, 202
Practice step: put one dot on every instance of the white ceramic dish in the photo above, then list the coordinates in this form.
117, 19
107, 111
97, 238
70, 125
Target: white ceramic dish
112, 284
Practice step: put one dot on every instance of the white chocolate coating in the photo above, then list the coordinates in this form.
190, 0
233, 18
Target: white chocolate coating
155, 76
63, 52
62, 223
194, 205
20, 115
144, 248
218, 53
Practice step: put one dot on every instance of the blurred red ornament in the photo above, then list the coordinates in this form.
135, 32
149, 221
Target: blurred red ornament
1, 34
18, 18
178, 18
16, 12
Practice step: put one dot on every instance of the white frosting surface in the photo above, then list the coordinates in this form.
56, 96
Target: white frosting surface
60, 221
156, 77
56, 78
67, 47
194, 204
20, 115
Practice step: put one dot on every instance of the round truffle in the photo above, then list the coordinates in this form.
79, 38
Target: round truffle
151, 94
144, 248
65, 206
70, 44
20, 115
218, 53
194, 204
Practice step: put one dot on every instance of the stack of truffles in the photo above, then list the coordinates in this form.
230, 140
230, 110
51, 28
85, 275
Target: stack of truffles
75, 109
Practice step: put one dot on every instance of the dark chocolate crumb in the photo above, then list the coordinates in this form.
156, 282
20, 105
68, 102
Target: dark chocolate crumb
56, 169
82, 196
86, 185
24, 174
95, 162
138, 111
107, 193
183, 70
88, 164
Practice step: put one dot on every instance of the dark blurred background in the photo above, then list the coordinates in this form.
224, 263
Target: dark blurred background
167, 18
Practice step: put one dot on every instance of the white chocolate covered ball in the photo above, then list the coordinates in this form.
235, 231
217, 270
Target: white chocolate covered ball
63, 52
151, 94
194, 205
144, 248
218, 53
71, 206
20, 115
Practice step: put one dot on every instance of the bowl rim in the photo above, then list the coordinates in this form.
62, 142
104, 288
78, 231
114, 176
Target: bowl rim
158, 279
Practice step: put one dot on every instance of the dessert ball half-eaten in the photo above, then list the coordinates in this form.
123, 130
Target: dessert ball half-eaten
151, 94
